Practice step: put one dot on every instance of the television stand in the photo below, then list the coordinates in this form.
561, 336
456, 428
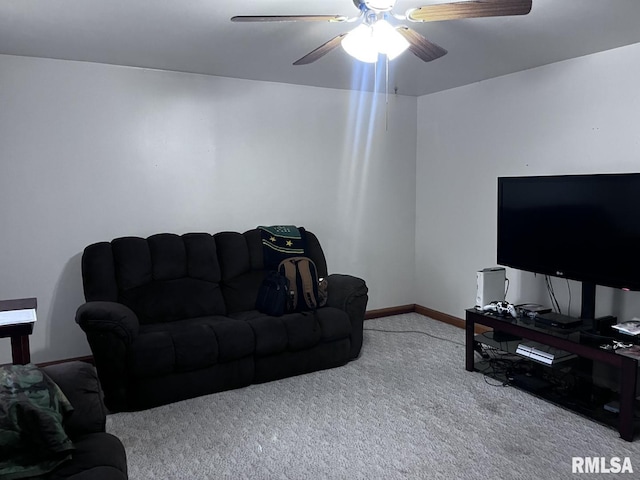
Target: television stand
570, 341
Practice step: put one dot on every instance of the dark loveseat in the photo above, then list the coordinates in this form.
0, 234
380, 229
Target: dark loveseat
32, 420
98, 455
171, 317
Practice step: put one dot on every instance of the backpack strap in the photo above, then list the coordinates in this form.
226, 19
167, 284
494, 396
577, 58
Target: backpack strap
290, 272
304, 267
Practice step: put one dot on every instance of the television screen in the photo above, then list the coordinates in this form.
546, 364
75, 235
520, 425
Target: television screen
582, 227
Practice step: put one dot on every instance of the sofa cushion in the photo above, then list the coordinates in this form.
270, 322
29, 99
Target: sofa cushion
189, 344
270, 332
151, 354
233, 254
98, 273
241, 292
132, 262
202, 257
303, 330
296, 331
168, 256
169, 300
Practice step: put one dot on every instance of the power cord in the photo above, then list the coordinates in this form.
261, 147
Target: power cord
499, 365
496, 363
552, 294
414, 331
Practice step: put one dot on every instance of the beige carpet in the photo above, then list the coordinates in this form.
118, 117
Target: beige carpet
405, 409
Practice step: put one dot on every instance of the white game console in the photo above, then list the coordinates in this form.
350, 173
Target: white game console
543, 353
490, 285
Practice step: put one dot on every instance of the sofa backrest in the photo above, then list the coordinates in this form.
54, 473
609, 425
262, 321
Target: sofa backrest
168, 277
161, 278
242, 264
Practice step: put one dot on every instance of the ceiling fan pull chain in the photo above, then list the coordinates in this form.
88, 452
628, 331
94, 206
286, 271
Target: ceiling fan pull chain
386, 99
375, 77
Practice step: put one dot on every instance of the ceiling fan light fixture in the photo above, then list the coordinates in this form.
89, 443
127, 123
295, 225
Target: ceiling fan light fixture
359, 43
380, 5
388, 41
376, 36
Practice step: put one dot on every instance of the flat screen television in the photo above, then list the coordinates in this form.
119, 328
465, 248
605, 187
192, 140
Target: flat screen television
581, 227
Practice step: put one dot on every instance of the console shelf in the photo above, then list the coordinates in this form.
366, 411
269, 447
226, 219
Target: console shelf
586, 399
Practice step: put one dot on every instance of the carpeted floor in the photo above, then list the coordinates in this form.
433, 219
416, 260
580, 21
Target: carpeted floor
406, 409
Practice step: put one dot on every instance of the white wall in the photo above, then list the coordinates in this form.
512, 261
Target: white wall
577, 116
91, 152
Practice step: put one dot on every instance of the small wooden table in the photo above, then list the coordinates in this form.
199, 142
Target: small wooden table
19, 341
19, 332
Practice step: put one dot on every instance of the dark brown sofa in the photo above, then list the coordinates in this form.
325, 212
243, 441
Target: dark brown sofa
171, 317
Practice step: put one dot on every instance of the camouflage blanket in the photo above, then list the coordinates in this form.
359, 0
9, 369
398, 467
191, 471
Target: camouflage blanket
32, 409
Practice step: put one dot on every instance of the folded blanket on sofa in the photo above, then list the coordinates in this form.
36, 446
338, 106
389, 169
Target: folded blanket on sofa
280, 242
32, 408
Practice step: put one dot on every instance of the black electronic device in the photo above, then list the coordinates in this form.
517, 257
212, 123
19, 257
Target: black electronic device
499, 336
557, 320
602, 325
580, 227
531, 310
529, 382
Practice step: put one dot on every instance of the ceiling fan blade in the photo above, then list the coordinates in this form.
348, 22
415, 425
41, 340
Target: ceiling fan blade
289, 18
469, 9
321, 51
420, 46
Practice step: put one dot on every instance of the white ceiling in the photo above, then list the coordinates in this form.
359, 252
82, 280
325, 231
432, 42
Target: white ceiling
197, 36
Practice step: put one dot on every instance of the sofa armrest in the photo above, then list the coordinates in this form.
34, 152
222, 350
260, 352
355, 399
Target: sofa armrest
79, 382
349, 294
108, 317
97, 456
110, 328
344, 289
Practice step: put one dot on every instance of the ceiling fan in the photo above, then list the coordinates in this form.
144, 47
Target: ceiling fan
376, 35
